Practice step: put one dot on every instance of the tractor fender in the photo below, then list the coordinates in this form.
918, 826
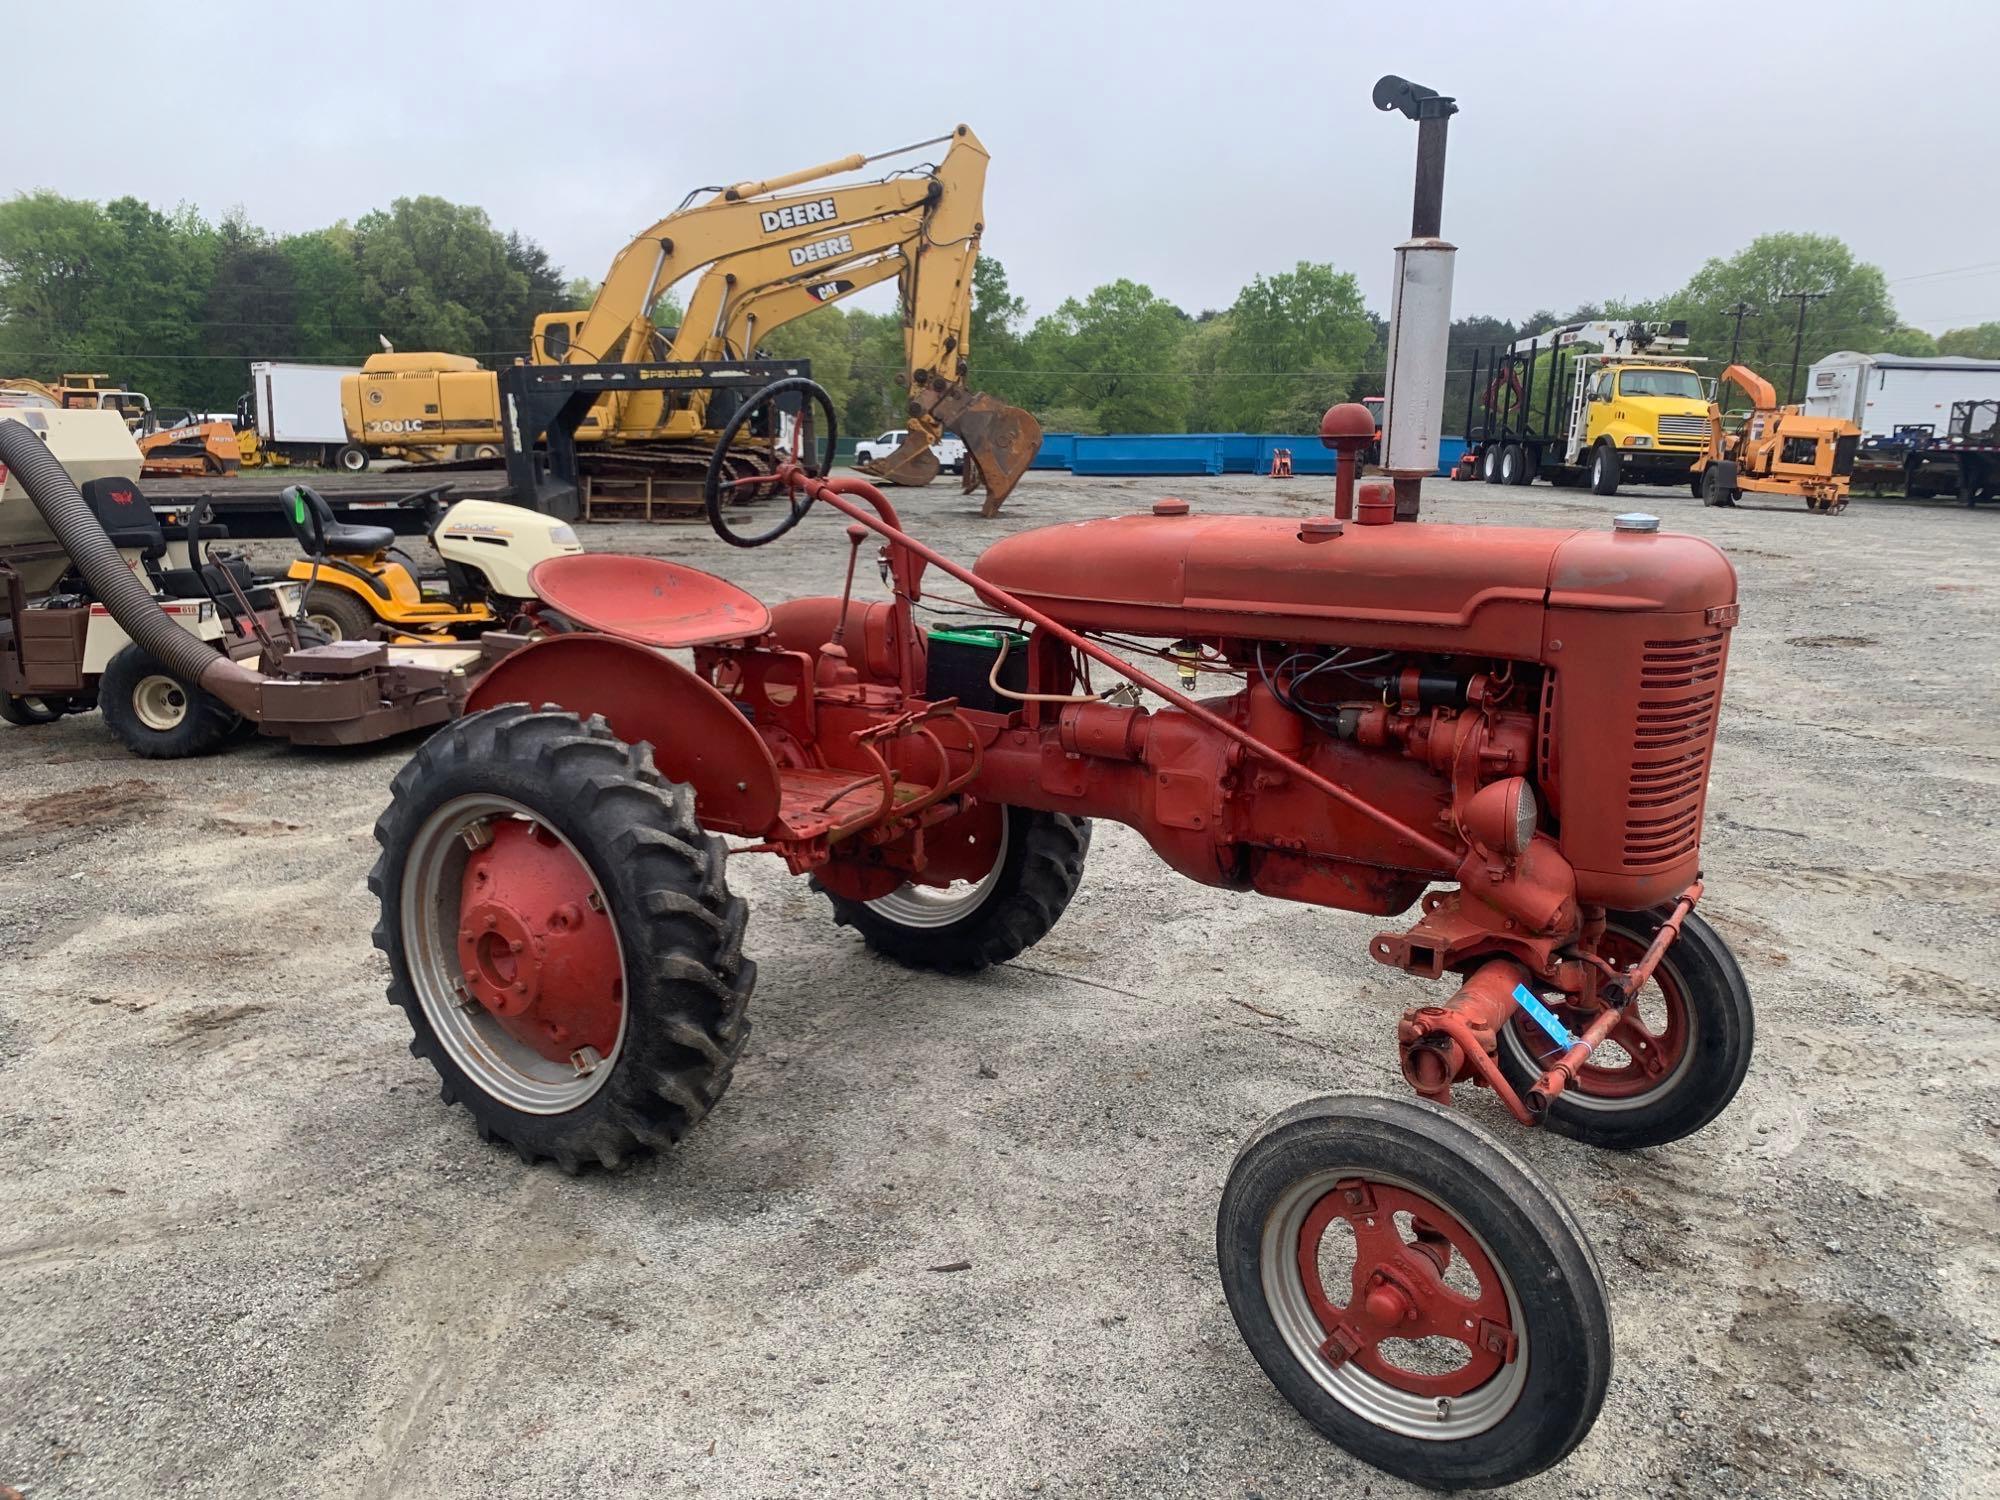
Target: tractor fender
697, 736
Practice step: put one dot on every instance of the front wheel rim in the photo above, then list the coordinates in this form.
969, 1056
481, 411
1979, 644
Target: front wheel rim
514, 954
931, 906
1436, 1269
1656, 1039
160, 702
326, 625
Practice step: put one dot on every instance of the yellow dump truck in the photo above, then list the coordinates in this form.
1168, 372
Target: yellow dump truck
1596, 403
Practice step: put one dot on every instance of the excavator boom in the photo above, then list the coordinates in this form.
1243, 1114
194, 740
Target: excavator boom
784, 235
935, 217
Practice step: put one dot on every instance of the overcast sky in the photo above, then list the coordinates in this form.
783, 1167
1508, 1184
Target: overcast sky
1601, 150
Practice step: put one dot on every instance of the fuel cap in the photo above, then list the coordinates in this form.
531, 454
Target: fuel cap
1635, 520
1170, 507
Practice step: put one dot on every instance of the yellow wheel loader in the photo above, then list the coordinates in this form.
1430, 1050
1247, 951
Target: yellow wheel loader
360, 585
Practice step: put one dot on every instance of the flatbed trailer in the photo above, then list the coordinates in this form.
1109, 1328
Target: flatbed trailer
1965, 458
247, 503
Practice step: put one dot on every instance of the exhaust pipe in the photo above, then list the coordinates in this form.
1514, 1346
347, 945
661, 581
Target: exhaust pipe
62, 506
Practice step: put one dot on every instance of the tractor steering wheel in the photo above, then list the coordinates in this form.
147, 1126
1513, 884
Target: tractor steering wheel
805, 452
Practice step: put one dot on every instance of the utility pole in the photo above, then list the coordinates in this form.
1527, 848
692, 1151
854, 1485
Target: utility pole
1739, 312
1798, 338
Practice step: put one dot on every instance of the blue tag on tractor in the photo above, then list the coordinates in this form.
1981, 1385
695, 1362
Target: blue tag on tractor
1543, 1017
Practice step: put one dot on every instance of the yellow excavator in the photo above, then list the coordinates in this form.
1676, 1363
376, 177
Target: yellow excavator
766, 246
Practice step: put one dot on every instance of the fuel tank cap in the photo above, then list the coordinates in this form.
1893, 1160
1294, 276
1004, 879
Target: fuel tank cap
1635, 520
1170, 507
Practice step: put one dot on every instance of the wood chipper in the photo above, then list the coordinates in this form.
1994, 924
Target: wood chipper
1505, 731
1774, 450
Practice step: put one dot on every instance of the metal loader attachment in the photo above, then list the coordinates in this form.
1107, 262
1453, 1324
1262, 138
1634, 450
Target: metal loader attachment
1000, 442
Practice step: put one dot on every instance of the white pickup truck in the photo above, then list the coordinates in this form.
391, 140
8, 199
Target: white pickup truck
948, 450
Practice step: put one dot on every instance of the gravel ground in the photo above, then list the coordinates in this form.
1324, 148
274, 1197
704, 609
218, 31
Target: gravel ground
246, 1251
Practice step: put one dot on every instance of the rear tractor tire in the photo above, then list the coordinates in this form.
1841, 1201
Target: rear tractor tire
973, 925
154, 714
1414, 1290
561, 936
1672, 1065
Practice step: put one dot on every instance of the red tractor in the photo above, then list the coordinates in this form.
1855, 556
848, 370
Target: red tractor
1505, 729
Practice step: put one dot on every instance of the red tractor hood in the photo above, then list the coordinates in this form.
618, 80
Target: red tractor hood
1418, 585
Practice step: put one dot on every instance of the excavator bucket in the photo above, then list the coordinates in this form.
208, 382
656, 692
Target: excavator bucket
1000, 442
912, 463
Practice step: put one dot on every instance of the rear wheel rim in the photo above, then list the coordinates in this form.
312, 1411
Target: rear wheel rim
1414, 1252
160, 702
326, 625
932, 906
499, 952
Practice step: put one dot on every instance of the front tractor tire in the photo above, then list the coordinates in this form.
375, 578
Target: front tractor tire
1415, 1291
561, 936
973, 925
1672, 1065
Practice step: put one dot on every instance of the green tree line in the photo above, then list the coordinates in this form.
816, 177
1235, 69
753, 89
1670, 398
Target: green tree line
175, 305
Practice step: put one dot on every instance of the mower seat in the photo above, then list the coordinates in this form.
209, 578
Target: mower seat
343, 540
182, 583
121, 509
337, 537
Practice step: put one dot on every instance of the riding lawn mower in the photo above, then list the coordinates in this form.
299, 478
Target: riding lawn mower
359, 584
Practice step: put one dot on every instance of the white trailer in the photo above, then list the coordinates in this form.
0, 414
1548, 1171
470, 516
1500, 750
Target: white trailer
295, 412
1882, 392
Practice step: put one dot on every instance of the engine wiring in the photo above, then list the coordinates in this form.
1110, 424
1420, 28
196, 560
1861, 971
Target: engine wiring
1334, 663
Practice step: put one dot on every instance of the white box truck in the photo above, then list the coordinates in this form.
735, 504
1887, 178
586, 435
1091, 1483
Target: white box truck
295, 412
1881, 392
1932, 422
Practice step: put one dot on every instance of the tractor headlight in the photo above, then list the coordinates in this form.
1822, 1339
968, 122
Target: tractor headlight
1502, 817
563, 536
1638, 440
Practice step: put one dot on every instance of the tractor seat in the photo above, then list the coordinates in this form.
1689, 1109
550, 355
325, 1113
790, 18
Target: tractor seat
647, 599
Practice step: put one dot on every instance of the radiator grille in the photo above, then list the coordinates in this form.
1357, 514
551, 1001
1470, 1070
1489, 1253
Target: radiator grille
1683, 426
1680, 690
1545, 748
